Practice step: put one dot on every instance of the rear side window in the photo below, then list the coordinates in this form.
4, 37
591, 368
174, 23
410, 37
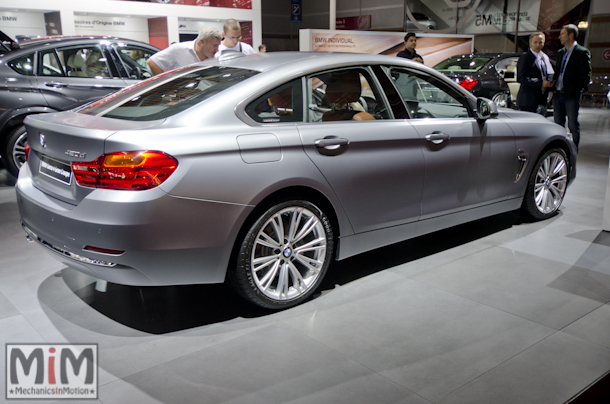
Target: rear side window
282, 104
23, 65
82, 61
50, 64
168, 94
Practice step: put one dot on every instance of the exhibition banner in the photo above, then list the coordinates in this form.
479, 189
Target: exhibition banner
490, 16
433, 47
244, 4
357, 22
125, 27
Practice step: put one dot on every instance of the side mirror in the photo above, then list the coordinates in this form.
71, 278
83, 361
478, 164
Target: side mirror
486, 109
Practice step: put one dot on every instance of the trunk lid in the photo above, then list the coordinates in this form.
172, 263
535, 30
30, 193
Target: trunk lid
57, 140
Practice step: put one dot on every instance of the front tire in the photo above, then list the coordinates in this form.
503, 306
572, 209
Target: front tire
13, 153
547, 185
284, 256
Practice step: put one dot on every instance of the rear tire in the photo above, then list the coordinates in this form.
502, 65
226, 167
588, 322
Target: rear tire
284, 255
13, 153
547, 185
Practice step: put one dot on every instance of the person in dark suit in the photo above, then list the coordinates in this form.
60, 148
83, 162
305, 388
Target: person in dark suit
409, 51
574, 73
534, 71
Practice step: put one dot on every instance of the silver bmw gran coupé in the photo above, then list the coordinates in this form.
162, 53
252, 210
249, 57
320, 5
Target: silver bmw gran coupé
263, 169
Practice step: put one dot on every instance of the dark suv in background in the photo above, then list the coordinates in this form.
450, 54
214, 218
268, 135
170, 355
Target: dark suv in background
60, 73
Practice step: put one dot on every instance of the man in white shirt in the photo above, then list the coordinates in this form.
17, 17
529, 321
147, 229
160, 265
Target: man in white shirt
185, 53
232, 35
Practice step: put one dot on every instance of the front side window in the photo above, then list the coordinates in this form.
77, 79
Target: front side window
23, 65
282, 104
168, 94
133, 59
427, 96
345, 95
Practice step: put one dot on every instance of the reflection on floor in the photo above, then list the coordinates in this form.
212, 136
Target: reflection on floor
495, 311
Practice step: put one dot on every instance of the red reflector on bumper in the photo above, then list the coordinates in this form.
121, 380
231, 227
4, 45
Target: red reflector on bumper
103, 250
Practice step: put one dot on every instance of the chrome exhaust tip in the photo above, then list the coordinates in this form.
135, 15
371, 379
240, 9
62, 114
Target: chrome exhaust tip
29, 239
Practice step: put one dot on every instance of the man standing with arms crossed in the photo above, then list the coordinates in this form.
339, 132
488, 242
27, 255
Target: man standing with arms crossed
185, 53
534, 71
574, 66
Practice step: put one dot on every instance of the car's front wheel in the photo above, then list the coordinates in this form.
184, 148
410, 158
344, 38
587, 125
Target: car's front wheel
284, 255
14, 150
547, 185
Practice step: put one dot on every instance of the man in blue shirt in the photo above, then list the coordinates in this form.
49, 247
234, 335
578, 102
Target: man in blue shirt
574, 74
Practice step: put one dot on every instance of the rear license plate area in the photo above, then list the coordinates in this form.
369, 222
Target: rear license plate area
55, 169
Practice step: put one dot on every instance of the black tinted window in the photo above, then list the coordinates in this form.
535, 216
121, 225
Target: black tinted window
463, 63
160, 98
23, 65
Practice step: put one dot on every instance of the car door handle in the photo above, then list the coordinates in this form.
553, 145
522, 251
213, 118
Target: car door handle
437, 137
331, 142
56, 85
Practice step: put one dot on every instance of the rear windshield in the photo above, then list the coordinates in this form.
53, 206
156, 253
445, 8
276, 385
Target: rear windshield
462, 64
168, 94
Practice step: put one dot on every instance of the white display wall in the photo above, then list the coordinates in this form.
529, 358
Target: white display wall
124, 27
133, 14
18, 23
194, 27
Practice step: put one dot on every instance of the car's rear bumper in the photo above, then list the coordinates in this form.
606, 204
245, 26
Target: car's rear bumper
166, 240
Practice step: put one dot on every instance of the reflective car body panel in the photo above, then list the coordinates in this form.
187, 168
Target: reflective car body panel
414, 166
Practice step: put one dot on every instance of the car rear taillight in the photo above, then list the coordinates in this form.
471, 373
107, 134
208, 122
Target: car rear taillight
125, 170
468, 83
27, 151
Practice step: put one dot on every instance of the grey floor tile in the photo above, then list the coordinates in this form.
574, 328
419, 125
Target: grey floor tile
553, 243
6, 308
14, 330
423, 338
341, 294
594, 327
29, 262
439, 259
538, 289
17, 330
272, 365
552, 371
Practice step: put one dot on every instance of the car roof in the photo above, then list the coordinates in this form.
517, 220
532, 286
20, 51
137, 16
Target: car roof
69, 39
30, 45
306, 62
